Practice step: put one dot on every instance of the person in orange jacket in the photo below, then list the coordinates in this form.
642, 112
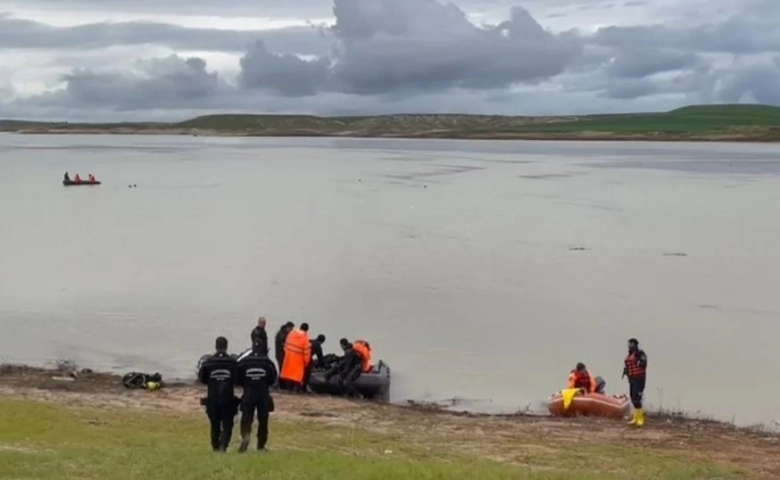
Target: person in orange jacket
77, 178
581, 378
297, 356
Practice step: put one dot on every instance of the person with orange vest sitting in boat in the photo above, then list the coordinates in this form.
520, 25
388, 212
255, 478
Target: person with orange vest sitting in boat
354, 362
91, 178
581, 378
297, 356
77, 178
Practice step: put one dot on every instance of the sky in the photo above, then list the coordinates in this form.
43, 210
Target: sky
112, 60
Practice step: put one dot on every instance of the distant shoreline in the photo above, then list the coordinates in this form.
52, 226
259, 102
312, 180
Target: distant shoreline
702, 123
581, 136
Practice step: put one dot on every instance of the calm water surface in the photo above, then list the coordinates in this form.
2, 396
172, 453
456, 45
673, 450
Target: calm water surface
459, 261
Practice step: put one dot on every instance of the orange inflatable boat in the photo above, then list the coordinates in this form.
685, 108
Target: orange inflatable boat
572, 401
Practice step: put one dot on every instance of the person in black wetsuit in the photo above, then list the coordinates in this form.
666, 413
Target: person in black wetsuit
259, 331
256, 373
219, 373
348, 369
281, 338
316, 352
66, 177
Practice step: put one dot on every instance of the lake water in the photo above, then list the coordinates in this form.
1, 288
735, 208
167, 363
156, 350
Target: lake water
460, 261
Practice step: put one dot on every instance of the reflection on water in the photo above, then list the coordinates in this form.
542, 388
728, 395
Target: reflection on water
480, 271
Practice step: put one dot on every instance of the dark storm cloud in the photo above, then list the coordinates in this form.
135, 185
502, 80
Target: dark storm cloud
414, 45
19, 33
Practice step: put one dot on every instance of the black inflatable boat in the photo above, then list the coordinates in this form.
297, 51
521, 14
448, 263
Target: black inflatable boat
374, 384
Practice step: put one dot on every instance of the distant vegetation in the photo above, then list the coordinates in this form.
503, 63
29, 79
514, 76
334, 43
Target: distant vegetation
701, 122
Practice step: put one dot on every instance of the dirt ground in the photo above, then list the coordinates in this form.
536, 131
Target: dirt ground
493, 436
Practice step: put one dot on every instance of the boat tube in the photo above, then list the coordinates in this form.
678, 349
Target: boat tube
373, 384
71, 183
573, 402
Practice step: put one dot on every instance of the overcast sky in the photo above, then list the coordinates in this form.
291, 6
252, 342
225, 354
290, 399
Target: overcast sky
172, 59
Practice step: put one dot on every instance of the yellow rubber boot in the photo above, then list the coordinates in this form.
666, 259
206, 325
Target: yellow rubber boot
634, 418
640, 417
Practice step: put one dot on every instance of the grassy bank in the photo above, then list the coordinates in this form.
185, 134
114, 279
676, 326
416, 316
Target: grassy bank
93, 428
39, 440
694, 123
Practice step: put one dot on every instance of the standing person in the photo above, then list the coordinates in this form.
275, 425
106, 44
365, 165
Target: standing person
259, 331
256, 373
635, 368
297, 356
219, 373
281, 338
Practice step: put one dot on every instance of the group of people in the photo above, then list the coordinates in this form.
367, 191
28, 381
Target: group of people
634, 367
77, 178
256, 374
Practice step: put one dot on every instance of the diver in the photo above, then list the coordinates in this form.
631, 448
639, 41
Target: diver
259, 331
219, 373
348, 369
67, 177
256, 373
316, 352
582, 379
635, 368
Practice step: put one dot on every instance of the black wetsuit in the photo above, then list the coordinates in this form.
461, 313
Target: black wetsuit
348, 369
635, 368
256, 373
281, 337
316, 351
259, 333
219, 373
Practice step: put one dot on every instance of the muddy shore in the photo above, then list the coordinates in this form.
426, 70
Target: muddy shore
485, 435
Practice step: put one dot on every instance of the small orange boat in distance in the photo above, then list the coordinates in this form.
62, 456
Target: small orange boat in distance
572, 402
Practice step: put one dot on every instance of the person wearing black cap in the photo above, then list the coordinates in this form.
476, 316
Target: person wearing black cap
255, 374
281, 338
635, 368
219, 373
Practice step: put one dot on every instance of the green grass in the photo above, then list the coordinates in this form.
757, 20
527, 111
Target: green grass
42, 441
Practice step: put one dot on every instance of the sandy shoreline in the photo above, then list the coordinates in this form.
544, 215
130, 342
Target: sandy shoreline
484, 435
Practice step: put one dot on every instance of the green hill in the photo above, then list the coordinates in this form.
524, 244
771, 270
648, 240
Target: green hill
697, 122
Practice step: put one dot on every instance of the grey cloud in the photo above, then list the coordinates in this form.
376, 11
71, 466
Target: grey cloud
283, 74
642, 62
417, 45
21, 33
172, 81
756, 83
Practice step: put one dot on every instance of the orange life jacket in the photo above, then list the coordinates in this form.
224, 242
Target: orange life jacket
633, 370
364, 351
583, 380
